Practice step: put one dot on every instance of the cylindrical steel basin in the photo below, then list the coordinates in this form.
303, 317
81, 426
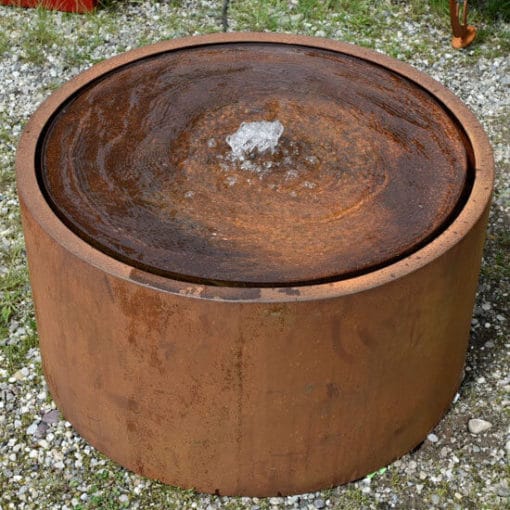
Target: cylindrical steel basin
253, 257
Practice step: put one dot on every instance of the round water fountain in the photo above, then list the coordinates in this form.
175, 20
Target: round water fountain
254, 257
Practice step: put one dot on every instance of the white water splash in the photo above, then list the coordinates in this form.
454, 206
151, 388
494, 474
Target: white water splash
261, 136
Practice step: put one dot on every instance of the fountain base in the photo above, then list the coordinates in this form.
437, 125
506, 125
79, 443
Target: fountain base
272, 368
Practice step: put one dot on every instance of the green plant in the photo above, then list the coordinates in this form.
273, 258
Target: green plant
40, 36
480, 10
4, 43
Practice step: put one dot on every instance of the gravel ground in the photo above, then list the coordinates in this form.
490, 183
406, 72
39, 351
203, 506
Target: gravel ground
464, 462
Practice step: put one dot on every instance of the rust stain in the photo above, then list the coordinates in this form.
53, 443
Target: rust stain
367, 337
338, 340
127, 403
332, 390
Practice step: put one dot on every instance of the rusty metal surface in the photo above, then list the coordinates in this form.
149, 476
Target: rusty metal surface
368, 167
463, 34
254, 391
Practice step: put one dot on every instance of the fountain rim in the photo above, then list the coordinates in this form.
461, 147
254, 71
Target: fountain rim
473, 210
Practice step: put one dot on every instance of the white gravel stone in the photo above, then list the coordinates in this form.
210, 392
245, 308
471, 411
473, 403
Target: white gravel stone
477, 425
32, 428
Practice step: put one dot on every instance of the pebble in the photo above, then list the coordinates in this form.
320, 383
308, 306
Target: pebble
32, 429
502, 491
20, 374
51, 417
41, 429
432, 438
477, 426
319, 503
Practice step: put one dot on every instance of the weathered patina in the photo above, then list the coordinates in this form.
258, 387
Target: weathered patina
270, 366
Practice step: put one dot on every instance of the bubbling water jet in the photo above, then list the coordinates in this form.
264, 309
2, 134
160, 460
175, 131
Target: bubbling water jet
259, 136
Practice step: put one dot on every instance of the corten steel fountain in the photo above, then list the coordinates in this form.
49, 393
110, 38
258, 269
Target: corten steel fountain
254, 257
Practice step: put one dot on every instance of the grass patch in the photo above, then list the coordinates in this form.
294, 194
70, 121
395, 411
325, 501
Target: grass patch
5, 134
15, 303
493, 10
316, 10
12, 286
16, 353
487, 11
118, 5
499, 40
4, 43
278, 15
41, 36
6, 177
14, 292
497, 264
